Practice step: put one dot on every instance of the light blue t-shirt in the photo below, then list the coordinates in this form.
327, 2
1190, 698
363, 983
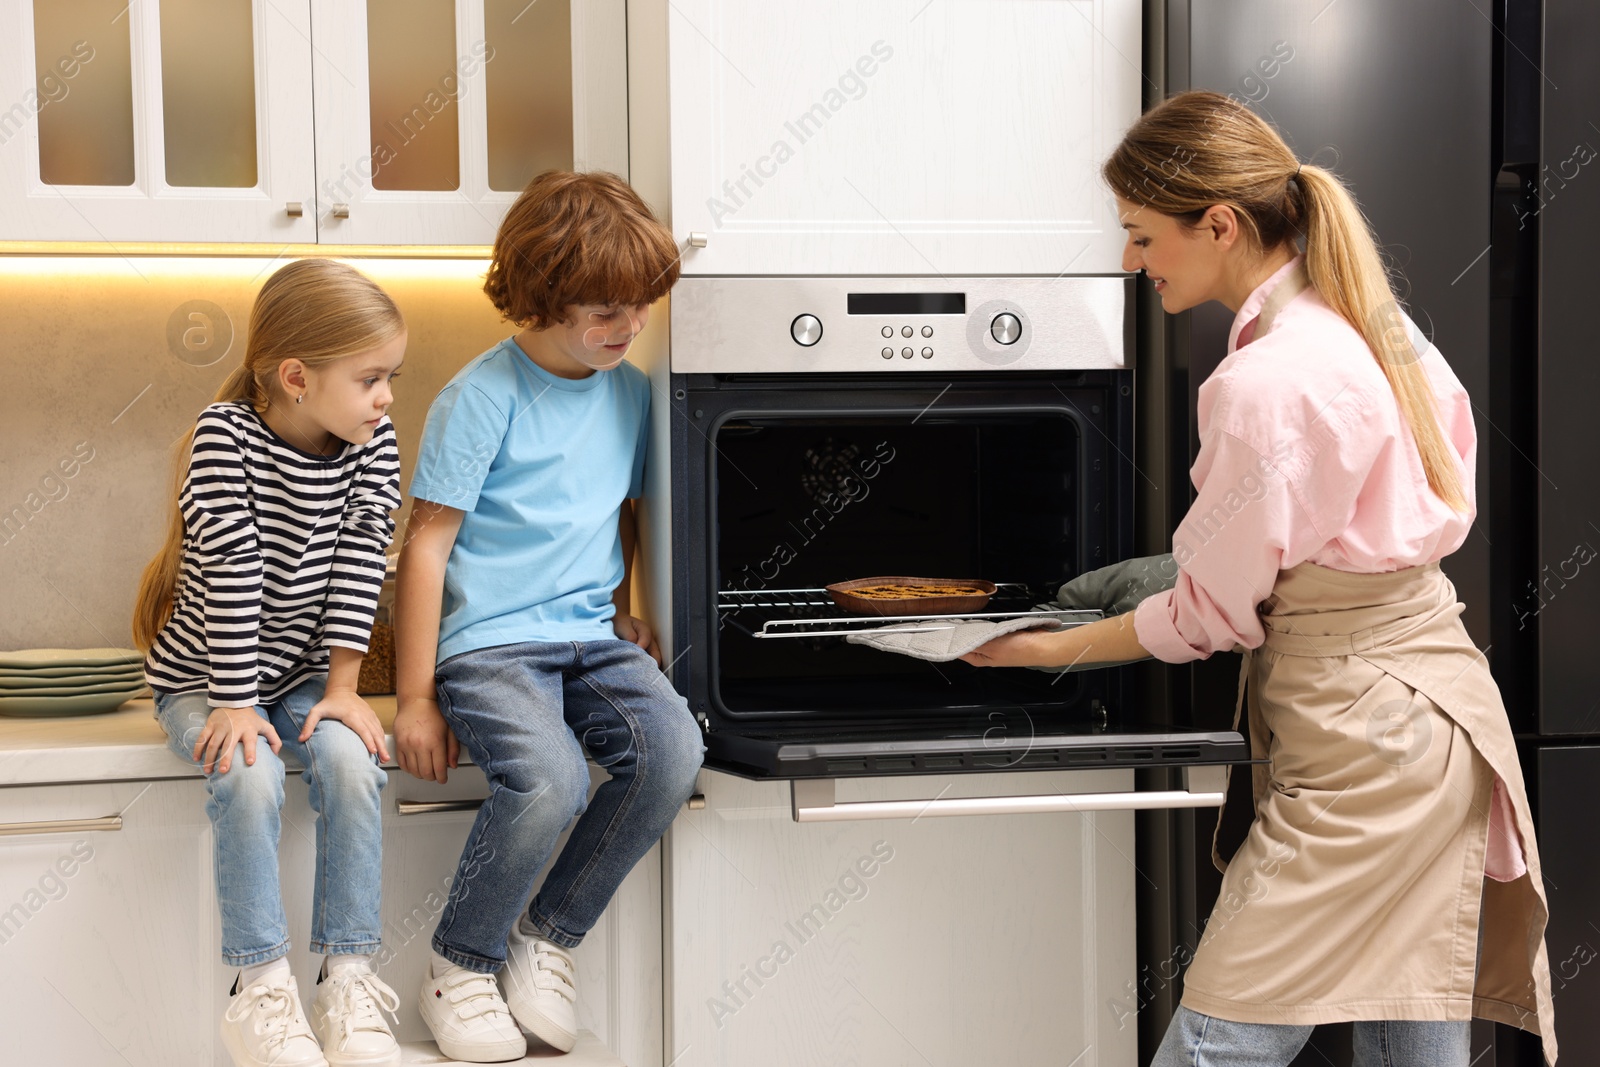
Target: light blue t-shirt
540, 465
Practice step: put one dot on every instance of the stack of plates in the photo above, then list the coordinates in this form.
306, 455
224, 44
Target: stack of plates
69, 681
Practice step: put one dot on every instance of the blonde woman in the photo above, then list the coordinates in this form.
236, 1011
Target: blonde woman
1335, 470
255, 617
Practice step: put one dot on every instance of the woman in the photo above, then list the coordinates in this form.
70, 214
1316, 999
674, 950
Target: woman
1335, 471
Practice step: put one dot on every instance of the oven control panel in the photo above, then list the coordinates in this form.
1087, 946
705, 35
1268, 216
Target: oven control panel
774, 325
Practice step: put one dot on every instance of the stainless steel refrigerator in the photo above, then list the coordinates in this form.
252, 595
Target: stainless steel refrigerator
1468, 131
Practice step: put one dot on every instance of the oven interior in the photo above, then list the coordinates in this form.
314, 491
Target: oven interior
802, 500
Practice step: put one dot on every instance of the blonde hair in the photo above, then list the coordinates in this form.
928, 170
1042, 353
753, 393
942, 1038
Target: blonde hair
1198, 149
313, 310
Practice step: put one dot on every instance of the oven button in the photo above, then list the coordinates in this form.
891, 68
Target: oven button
905, 331
1006, 328
888, 353
888, 331
806, 330
927, 331
927, 353
907, 353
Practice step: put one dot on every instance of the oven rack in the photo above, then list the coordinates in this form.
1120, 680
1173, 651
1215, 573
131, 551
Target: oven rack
791, 613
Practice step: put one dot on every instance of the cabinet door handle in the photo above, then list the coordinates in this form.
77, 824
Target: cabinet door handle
697, 239
60, 826
813, 800
429, 807
294, 209
341, 211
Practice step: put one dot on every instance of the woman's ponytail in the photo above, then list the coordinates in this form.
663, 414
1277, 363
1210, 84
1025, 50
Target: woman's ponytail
1197, 149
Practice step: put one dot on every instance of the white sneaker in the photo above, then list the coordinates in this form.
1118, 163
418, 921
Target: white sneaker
347, 1017
468, 1019
264, 1026
542, 989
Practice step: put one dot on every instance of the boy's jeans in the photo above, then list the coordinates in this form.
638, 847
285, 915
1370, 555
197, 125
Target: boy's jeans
1196, 1040
527, 713
244, 807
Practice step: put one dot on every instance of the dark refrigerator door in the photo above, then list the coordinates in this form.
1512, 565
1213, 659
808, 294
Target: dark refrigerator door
1395, 99
1565, 599
1565, 794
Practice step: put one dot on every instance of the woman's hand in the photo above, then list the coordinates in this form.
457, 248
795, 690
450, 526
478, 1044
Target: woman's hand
427, 746
628, 628
1027, 648
343, 705
225, 728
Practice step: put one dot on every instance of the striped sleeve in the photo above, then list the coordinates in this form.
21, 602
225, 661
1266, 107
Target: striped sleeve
221, 529
364, 535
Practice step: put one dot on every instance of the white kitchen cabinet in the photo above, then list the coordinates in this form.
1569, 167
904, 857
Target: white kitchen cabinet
109, 935
111, 942
935, 940
937, 138
412, 122
432, 115
167, 120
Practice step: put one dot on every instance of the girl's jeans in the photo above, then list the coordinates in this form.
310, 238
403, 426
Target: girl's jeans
528, 714
1195, 1040
345, 783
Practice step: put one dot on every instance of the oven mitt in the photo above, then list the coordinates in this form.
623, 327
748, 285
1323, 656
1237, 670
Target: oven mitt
1115, 590
942, 646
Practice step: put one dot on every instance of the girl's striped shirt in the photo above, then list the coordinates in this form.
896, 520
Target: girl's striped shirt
283, 558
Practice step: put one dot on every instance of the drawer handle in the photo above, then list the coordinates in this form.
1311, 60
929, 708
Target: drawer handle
60, 826
429, 807
813, 800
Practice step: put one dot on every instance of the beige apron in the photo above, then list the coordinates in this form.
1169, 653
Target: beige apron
1359, 890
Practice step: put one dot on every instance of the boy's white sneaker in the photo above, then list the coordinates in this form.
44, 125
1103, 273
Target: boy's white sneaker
265, 1027
347, 1018
469, 1020
542, 988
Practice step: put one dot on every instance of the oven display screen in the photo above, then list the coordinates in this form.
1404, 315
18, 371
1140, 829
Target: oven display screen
907, 303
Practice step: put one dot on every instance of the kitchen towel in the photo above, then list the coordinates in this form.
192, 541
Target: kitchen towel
955, 640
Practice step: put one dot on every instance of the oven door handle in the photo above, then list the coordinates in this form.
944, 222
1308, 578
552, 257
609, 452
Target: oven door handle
813, 800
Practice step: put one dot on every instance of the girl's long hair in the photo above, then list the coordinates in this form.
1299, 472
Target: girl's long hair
313, 310
1198, 149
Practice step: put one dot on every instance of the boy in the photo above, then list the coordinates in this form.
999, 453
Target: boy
513, 600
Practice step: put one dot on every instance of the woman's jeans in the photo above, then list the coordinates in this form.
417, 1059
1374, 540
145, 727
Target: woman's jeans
1195, 1040
528, 714
245, 803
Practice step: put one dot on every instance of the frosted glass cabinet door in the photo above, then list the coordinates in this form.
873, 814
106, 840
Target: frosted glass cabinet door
432, 115
161, 121
835, 137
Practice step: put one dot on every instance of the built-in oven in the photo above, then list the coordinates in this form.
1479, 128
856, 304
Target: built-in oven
828, 429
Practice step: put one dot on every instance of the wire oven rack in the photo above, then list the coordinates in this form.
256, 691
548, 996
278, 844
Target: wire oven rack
777, 613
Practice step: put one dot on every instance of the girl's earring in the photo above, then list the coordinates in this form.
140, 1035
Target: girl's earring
301, 399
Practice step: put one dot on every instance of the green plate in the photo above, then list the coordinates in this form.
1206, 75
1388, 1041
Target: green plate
90, 704
72, 690
13, 680
109, 670
32, 658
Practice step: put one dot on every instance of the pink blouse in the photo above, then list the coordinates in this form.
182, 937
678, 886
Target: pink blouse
1305, 455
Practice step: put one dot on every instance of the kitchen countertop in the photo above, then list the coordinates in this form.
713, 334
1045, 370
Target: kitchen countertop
124, 744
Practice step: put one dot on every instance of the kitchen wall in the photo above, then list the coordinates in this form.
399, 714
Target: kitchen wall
103, 366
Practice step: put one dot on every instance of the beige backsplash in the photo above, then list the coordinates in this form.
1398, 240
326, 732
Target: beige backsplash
85, 365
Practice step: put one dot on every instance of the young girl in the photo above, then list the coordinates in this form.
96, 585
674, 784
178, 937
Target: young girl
1335, 470
255, 617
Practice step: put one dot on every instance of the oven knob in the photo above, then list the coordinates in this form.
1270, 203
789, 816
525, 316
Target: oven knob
1006, 328
806, 330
